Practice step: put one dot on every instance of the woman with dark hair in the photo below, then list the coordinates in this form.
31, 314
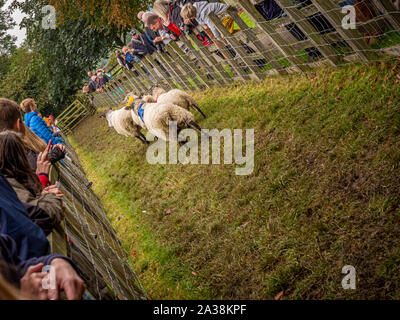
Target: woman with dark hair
14, 165
14, 162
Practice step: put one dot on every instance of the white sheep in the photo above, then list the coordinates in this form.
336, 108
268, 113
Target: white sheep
176, 96
121, 120
157, 117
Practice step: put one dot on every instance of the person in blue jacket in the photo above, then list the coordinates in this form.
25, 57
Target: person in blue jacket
24, 250
36, 123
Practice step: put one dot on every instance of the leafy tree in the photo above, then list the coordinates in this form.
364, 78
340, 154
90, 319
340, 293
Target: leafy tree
23, 79
7, 42
62, 55
118, 16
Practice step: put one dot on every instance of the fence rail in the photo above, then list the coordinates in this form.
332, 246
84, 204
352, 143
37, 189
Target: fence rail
74, 114
307, 34
87, 236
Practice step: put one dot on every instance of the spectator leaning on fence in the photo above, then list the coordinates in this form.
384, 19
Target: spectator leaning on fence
200, 12
14, 165
37, 124
152, 37
11, 119
160, 7
24, 250
172, 23
156, 24
140, 45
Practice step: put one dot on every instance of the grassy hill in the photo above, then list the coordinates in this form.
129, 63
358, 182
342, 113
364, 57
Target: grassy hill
324, 192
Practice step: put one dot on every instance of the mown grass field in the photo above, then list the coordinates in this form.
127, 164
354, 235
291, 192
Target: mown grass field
324, 193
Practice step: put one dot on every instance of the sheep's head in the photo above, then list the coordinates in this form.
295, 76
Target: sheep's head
148, 99
107, 115
135, 105
156, 92
128, 96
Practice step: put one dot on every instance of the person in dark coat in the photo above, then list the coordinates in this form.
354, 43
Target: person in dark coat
23, 245
140, 45
29, 238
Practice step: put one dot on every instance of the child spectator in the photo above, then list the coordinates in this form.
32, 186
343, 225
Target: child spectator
37, 124
96, 83
122, 60
130, 57
200, 11
102, 80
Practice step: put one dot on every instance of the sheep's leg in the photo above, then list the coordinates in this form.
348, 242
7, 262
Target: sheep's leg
199, 110
144, 141
195, 126
144, 138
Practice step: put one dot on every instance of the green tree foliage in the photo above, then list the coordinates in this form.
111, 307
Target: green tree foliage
60, 57
23, 79
52, 65
118, 16
7, 42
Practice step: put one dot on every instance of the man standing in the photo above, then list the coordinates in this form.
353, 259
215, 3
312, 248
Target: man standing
140, 45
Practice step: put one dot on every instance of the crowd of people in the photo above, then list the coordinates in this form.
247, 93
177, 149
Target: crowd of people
96, 81
30, 207
167, 21
170, 19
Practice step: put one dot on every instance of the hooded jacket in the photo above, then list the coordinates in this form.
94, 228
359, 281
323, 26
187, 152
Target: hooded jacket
49, 202
30, 240
142, 46
203, 11
40, 128
22, 242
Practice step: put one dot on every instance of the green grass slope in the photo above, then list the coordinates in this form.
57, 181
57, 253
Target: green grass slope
324, 193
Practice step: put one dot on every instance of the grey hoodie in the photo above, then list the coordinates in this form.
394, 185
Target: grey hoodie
204, 9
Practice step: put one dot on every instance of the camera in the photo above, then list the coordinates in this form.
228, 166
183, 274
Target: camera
188, 29
159, 47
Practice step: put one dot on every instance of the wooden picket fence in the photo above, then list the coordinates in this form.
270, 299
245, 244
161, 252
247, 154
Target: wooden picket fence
259, 49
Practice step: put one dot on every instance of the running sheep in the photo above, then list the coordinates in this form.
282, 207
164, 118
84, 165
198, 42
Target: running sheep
123, 123
157, 117
177, 97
